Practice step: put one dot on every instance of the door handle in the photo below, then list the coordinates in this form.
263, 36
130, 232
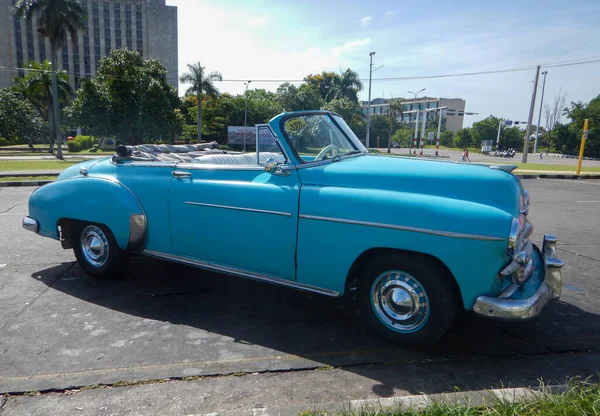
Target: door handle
181, 174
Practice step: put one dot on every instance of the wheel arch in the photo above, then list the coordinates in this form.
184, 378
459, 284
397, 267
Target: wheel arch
98, 200
357, 268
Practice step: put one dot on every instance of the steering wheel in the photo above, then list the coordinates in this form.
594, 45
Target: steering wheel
326, 149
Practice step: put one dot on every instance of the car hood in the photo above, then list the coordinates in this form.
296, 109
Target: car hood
463, 181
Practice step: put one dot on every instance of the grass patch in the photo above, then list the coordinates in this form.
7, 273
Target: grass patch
471, 149
580, 398
12, 165
26, 178
553, 168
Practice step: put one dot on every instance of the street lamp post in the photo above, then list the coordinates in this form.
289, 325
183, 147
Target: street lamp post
537, 132
369, 103
416, 120
246, 113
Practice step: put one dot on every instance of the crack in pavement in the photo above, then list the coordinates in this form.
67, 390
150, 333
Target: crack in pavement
581, 255
3, 401
5, 211
428, 361
37, 297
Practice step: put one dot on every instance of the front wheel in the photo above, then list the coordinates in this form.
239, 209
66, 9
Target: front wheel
407, 299
98, 253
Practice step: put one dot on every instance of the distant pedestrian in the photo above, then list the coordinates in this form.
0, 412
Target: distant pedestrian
541, 155
466, 155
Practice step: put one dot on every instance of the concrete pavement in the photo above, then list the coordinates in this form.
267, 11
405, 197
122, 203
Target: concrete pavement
227, 344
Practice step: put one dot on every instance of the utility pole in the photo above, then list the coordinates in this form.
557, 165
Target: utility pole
246, 113
417, 120
530, 119
369, 103
498, 136
437, 143
537, 132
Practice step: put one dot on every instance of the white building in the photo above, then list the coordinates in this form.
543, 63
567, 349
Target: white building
453, 114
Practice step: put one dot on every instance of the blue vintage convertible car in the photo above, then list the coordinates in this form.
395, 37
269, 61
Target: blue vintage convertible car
412, 241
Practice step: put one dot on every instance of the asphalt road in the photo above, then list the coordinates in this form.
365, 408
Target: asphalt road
532, 158
61, 329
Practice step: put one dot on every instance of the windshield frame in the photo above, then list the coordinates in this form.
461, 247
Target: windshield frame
352, 140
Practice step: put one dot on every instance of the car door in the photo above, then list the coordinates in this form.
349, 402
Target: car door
228, 211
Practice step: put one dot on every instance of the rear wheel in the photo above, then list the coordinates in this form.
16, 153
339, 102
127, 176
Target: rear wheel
97, 251
407, 299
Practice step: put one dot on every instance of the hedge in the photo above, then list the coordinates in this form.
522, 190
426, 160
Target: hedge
80, 143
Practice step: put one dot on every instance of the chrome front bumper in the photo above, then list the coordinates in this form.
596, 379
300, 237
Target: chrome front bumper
30, 224
521, 301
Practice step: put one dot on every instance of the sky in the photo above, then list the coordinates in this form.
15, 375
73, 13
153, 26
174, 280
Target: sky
288, 39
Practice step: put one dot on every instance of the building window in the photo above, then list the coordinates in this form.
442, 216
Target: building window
129, 44
42, 47
97, 42
128, 25
97, 62
139, 35
86, 50
118, 26
30, 53
96, 32
138, 25
128, 34
97, 51
88, 70
118, 43
65, 55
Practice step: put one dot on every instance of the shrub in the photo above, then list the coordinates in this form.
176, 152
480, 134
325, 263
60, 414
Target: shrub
80, 143
73, 146
3, 142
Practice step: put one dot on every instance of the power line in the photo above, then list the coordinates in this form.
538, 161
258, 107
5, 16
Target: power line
569, 51
266, 81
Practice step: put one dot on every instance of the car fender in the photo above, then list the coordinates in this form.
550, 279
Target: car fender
96, 199
338, 224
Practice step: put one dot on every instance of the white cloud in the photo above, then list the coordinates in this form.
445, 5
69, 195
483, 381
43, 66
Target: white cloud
350, 46
258, 21
365, 21
389, 13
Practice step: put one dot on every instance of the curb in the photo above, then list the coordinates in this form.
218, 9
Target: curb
416, 402
23, 183
555, 176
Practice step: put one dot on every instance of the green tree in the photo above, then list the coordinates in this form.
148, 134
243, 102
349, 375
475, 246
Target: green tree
567, 138
347, 84
292, 98
351, 113
202, 83
56, 18
18, 119
486, 129
36, 87
446, 138
129, 99
402, 136
323, 82
463, 138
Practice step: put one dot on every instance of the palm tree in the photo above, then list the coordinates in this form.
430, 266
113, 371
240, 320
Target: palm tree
347, 84
201, 83
395, 107
56, 18
36, 87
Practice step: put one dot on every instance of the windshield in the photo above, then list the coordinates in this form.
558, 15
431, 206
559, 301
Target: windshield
320, 137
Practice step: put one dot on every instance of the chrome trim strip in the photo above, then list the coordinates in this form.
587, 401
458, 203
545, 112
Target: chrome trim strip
240, 273
261, 211
403, 228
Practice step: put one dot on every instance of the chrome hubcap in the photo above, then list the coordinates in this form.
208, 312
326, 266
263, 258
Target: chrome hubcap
94, 246
400, 301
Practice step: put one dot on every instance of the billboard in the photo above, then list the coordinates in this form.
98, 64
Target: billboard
239, 134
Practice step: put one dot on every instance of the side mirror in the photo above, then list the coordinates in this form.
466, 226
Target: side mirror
271, 165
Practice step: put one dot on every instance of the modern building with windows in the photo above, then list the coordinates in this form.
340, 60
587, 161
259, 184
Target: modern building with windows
146, 26
453, 114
